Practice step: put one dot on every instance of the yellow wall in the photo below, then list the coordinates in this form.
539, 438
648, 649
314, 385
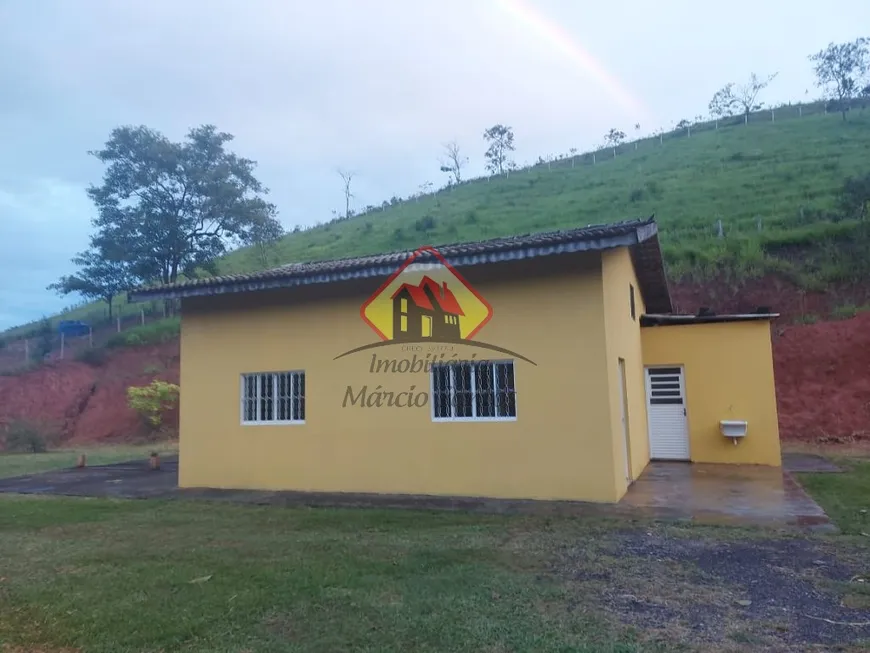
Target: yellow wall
624, 341
560, 446
728, 375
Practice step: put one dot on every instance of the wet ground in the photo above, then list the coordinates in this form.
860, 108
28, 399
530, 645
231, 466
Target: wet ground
709, 494
728, 494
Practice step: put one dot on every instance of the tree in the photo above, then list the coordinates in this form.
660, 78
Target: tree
103, 274
501, 143
346, 179
745, 95
614, 138
723, 103
454, 161
173, 208
838, 69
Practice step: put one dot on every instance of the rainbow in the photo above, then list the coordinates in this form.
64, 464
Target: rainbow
555, 35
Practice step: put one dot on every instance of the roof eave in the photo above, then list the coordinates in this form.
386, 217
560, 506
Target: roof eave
639, 234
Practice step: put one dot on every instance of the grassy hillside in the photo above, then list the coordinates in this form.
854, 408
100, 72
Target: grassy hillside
773, 185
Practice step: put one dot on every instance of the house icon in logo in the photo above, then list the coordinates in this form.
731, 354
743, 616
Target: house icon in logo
427, 310
426, 300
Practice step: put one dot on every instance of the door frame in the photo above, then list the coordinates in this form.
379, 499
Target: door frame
683, 393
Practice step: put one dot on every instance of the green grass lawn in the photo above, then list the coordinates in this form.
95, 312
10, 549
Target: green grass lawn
145, 576
19, 464
119, 576
774, 186
845, 497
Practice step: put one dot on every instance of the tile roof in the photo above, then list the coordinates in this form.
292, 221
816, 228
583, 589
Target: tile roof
641, 235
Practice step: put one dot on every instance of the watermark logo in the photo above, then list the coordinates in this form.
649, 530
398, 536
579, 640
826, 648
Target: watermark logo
426, 302
430, 316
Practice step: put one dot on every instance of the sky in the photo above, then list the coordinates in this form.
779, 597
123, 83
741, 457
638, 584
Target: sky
371, 86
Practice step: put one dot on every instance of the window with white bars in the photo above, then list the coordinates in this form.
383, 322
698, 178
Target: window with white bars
273, 398
474, 390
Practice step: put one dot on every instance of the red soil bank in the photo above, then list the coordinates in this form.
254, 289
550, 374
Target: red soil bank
823, 379
88, 404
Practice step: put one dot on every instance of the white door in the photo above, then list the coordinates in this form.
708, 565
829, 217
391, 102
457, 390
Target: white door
666, 408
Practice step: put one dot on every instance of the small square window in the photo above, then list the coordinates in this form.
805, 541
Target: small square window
631, 301
277, 398
473, 390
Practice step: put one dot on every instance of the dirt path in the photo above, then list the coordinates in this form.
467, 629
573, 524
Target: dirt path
725, 589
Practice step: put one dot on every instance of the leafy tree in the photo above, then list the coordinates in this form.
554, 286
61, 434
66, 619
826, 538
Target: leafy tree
501, 143
103, 274
723, 103
454, 161
614, 138
838, 69
173, 208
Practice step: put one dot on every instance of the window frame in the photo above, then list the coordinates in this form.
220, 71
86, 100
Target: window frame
493, 362
293, 422
632, 301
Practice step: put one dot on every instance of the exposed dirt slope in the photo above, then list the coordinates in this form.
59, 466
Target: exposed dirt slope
823, 379
84, 403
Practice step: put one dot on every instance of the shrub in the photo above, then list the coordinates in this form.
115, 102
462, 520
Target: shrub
426, 223
93, 356
807, 318
2, 344
636, 195
153, 400
844, 312
148, 334
27, 437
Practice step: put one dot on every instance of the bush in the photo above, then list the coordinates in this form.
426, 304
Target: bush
844, 312
153, 400
27, 437
2, 344
636, 195
93, 356
426, 223
148, 334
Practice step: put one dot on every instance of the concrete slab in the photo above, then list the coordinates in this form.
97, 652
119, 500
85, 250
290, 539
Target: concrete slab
711, 494
807, 462
725, 494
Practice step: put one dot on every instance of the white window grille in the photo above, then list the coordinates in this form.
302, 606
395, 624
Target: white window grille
273, 398
474, 390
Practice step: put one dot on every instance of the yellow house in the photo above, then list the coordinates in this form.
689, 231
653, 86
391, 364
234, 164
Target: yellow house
547, 366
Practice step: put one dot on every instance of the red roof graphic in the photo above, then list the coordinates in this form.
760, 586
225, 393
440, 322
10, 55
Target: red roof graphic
442, 294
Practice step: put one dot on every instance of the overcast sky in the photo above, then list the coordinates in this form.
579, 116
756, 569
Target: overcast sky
375, 86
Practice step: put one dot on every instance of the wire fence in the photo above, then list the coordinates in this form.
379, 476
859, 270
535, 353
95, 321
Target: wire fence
45, 344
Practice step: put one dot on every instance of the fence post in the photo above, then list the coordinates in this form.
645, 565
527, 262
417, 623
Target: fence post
593, 158
118, 320
26, 350
62, 340
90, 336
800, 111
142, 315
772, 116
719, 226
